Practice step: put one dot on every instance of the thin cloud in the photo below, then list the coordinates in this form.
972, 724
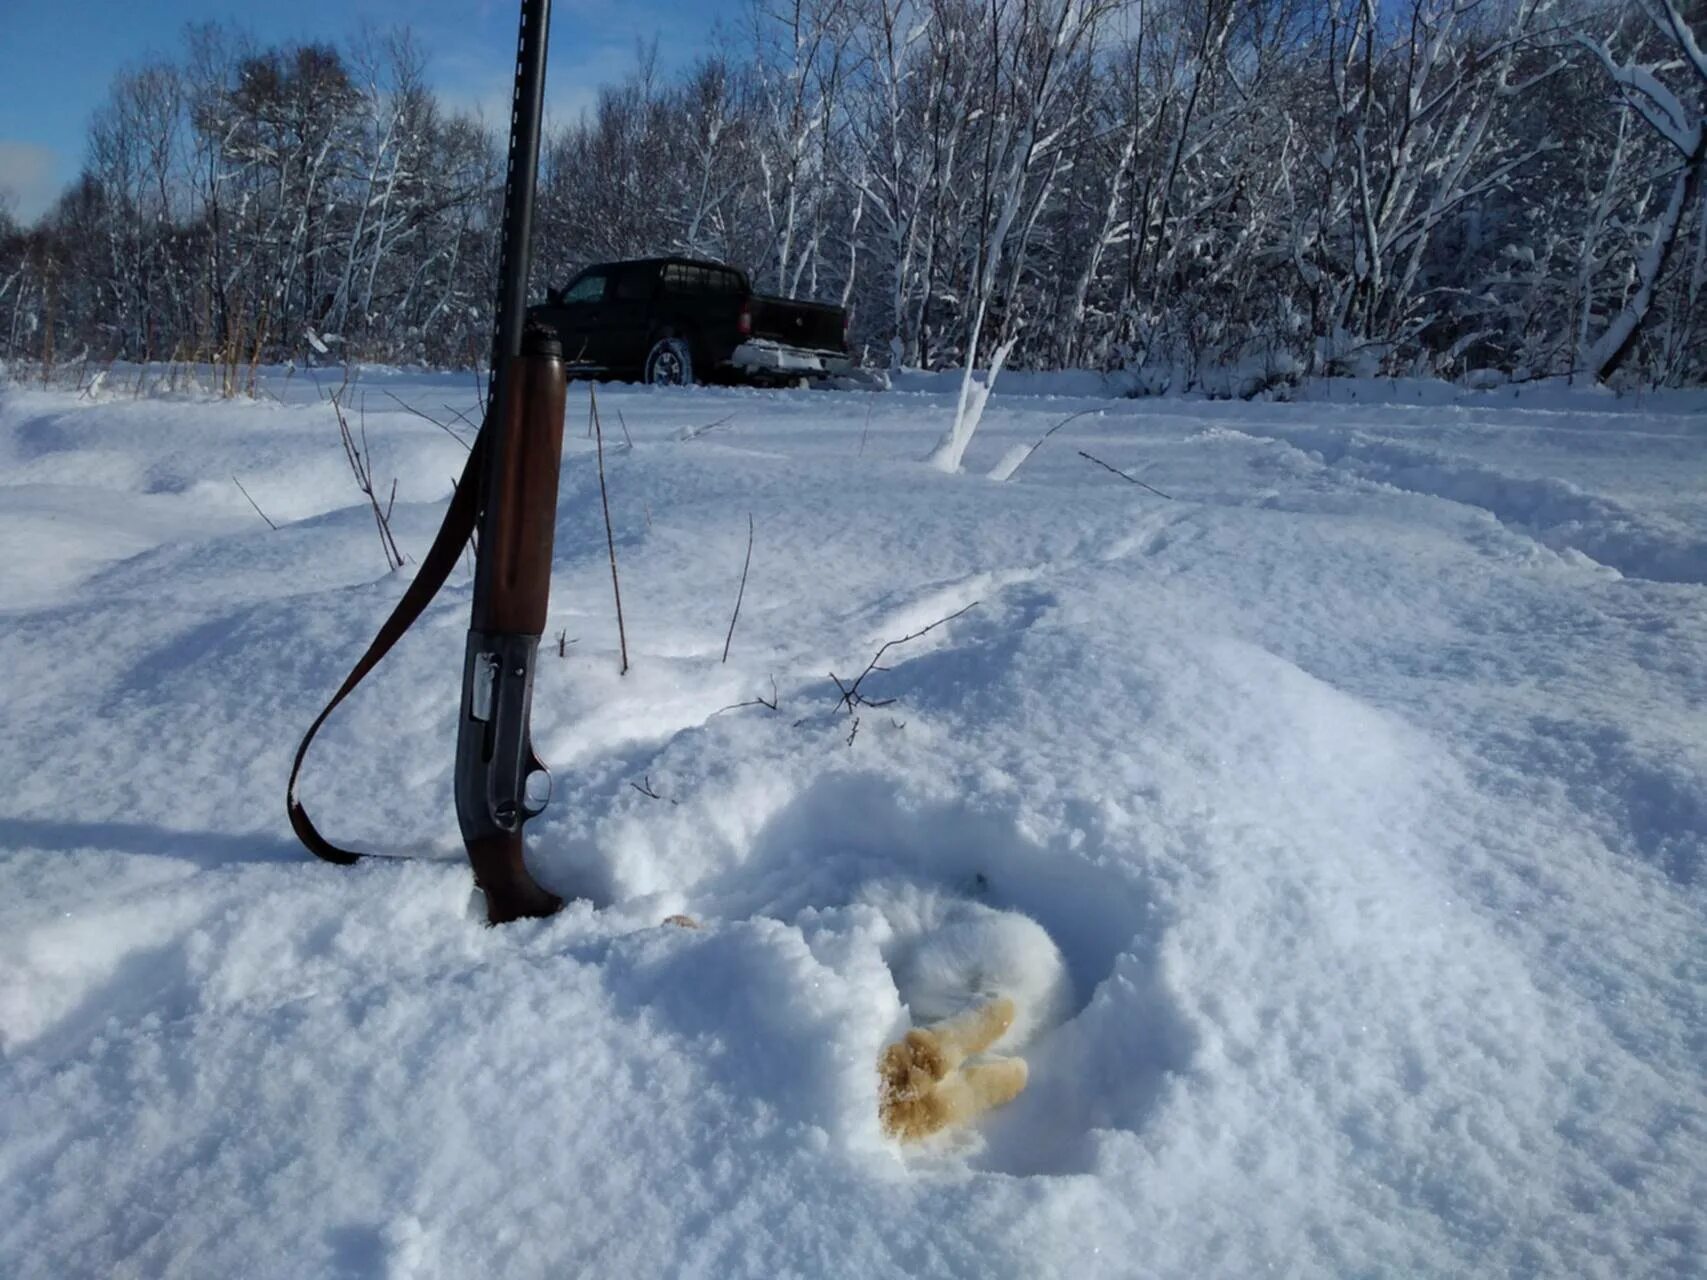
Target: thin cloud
29, 178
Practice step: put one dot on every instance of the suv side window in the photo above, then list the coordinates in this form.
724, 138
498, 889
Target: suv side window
634, 284
590, 287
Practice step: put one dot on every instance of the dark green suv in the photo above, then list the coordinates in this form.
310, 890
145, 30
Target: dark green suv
676, 321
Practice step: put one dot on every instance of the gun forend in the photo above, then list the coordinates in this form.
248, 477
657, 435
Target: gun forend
496, 769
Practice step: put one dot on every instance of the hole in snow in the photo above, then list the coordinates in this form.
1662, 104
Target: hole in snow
1106, 1067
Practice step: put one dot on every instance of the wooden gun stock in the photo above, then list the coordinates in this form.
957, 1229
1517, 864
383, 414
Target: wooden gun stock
518, 537
495, 761
511, 891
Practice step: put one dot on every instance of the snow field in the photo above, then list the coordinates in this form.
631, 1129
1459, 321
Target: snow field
1360, 785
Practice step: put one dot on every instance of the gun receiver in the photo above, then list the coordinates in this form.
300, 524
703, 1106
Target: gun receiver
495, 761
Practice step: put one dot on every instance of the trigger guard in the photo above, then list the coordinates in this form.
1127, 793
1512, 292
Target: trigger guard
535, 768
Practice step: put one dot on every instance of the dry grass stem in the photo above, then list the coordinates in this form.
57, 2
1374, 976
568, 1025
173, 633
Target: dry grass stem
610, 537
745, 565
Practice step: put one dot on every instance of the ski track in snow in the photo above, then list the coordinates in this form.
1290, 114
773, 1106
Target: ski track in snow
1361, 786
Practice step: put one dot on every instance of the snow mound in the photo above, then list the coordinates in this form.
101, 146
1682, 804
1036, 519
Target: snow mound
1343, 815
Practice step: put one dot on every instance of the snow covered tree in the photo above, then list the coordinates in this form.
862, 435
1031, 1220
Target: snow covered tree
1030, 51
1672, 106
1211, 195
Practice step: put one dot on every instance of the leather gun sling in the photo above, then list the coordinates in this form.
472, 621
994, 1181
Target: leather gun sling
435, 567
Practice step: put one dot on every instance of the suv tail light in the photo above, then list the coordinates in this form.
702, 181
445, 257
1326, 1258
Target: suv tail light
745, 323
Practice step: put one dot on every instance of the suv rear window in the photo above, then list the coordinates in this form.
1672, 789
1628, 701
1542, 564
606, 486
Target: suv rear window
683, 277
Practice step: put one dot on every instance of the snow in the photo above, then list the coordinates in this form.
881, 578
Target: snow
950, 954
1361, 787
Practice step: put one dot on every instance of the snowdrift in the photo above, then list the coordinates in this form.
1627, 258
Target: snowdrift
1360, 783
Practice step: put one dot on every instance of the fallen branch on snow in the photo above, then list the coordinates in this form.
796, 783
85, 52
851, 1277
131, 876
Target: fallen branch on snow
851, 696
1129, 479
252, 502
751, 702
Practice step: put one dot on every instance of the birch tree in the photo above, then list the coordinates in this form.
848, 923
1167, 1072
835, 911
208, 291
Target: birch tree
1030, 50
1671, 106
1206, 195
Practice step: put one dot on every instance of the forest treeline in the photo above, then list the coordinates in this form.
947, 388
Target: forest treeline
1191, 190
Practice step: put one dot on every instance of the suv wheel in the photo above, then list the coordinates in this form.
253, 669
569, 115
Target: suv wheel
669, 363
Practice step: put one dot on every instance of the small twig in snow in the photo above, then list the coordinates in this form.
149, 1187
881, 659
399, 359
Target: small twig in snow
1129, 479
1052, 430
852, 697
751, 702
252, 502
360, 458
464, 419
429, 418
647, 791
1071, 417
694, 433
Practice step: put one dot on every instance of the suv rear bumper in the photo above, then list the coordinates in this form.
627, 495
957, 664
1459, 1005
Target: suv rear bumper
758, 355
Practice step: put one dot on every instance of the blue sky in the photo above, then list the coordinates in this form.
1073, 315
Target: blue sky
56, 59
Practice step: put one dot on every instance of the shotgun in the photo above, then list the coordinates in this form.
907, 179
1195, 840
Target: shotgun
508, 492
495, 762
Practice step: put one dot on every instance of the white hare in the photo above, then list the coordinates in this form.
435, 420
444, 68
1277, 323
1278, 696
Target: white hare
970, 975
